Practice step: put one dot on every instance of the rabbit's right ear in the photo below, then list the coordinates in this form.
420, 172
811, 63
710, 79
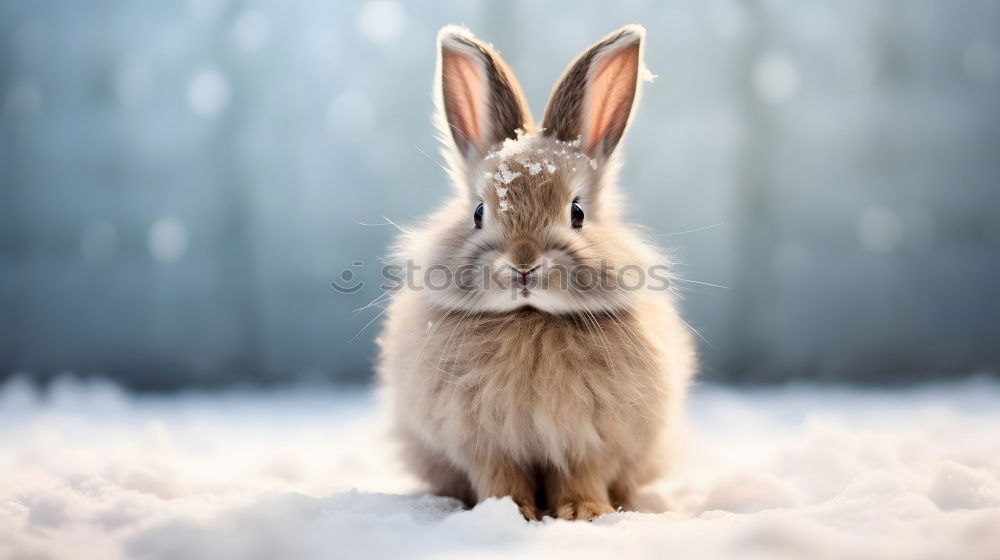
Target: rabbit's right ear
593, 100
479, 102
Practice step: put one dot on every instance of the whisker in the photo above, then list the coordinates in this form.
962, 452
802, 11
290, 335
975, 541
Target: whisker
368, 324
689, 231
430, 159
381, 298
700, 282
392, 223
476, 146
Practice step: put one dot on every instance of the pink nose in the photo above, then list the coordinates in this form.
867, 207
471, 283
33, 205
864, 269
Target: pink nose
524, 277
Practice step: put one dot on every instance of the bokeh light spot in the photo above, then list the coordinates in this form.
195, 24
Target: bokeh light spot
381, 21
776, 78
879, 229
252, 30
208, 92
168, 240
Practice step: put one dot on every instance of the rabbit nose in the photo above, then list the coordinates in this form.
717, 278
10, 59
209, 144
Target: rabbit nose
524, 255
524, 277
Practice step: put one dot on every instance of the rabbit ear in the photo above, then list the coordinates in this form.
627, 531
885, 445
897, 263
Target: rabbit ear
479, 101
594, 97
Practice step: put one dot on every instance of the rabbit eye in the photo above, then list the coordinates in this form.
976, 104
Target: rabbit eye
477, 216
576, 215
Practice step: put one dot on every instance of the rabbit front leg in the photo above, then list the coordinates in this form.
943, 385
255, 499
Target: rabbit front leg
499, 476
579, 492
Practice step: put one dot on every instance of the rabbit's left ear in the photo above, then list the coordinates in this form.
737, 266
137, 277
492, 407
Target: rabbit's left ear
479, 101
593, 99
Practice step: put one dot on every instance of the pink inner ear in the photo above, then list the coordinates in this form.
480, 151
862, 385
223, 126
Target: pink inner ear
610, 95
462, 88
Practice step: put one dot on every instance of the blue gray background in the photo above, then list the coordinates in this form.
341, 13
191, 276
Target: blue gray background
180, 181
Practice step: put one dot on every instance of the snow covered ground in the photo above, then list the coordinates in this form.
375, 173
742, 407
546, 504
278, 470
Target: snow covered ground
87, 471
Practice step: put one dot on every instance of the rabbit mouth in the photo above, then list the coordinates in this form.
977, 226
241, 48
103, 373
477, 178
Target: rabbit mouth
526, 279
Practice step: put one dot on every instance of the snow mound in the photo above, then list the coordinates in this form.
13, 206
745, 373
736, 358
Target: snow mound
87, 471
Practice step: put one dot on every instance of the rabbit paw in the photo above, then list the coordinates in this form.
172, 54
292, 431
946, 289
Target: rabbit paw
528, 510
581, 510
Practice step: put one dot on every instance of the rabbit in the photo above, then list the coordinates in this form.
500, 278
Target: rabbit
505, 374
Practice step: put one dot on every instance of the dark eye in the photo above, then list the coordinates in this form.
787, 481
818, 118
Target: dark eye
478, 216
576, 216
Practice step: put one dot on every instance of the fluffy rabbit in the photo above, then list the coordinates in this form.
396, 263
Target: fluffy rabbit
535, 354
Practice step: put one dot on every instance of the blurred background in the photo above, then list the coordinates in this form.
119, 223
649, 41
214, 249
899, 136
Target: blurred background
181, 181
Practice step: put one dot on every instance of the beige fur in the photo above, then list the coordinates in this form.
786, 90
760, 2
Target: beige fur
559, 397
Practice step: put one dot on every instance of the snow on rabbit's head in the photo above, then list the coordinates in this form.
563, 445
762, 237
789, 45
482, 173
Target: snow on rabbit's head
534, 218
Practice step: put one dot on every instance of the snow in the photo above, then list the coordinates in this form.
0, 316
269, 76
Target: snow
505, 175
87, 471
645, 75
520, 151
